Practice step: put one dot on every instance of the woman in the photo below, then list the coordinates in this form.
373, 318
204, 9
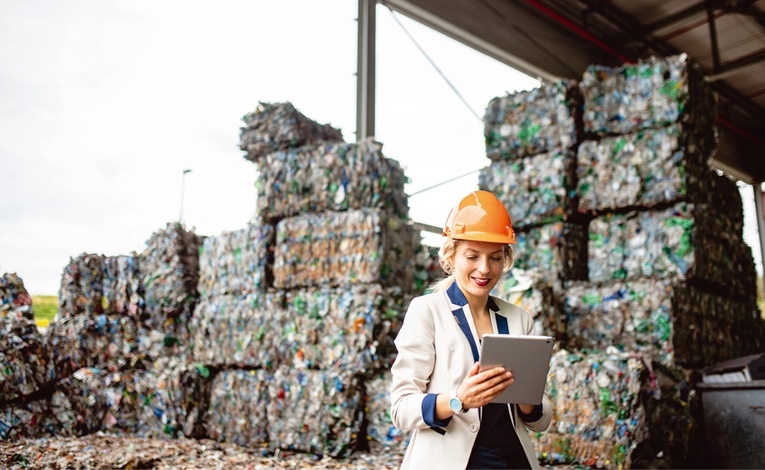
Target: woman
438, 389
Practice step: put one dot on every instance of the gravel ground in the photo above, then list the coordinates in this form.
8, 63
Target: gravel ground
104, 451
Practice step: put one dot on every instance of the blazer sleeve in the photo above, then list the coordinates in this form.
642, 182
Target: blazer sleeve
413, 366
542, 423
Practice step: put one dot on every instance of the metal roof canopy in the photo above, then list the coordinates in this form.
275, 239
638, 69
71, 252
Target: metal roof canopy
551, 39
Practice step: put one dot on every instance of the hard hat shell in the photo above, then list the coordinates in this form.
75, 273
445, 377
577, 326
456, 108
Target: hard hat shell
480, 216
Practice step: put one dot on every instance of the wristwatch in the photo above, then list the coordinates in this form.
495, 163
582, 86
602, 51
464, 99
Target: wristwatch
455, 403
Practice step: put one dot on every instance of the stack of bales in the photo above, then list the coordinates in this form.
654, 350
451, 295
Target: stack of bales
664, 285
663, 221
299, 310
531, 138
25, 370
234, 332
117, 344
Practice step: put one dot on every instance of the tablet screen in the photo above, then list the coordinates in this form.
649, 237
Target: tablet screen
528, 357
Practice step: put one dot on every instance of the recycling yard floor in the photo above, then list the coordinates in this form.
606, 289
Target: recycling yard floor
105, 451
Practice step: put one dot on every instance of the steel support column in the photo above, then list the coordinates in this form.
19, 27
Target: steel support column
759, 209
713, 37
365, 70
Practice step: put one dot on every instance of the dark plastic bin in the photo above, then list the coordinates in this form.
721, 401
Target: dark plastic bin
734, 422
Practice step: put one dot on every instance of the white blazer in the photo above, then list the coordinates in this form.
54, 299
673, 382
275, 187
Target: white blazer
434, 356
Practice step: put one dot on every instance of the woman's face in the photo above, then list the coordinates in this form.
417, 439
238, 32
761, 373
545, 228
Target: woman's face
478, 267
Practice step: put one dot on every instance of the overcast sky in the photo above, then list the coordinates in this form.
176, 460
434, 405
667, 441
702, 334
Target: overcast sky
104, 103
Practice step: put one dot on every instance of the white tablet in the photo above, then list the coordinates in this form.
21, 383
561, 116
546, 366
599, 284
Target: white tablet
528, 357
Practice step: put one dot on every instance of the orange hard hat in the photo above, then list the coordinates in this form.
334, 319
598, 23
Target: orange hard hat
481, 217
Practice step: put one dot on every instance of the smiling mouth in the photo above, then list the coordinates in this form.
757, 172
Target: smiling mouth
483, 282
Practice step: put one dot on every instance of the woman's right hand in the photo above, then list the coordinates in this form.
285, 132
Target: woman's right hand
480, 387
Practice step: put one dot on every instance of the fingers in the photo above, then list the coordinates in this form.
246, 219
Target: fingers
481, 388
494, 372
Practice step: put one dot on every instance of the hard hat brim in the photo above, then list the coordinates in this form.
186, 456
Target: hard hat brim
486, 237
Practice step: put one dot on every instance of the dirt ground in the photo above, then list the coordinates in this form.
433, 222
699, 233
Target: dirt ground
104, 451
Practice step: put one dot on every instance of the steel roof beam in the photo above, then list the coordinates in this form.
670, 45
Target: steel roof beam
473, 40
675, 18
729, 6
729, 68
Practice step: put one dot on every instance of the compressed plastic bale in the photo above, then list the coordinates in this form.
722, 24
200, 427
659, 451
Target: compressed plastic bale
138, 402
241, 331
630, 316
344, 329
189, 388
101, 308
649, 168
535, 189
639, 244
25, 365
557, 250
597, 418
341, 248
720, 208
278, 126
236, 262
119, 396
168, 400
330, 177
423, 264
666, 321
314, 411
171, 340
122, 285
27, 420
101, 305
654, 92
156, 412
641, 169
535, 121
94, 284
664, 244
674, 413
112, 341
15, 301
84, 341
81, 289
710, 328
115, 319
725, 267
238, 404
526, 289
427, 268
383, 437
79, 403
169, 268
654, 244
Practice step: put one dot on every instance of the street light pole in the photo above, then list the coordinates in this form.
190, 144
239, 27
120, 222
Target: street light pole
183, 189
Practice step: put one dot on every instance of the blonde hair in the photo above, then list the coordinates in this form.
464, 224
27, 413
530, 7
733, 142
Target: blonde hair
446, 258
